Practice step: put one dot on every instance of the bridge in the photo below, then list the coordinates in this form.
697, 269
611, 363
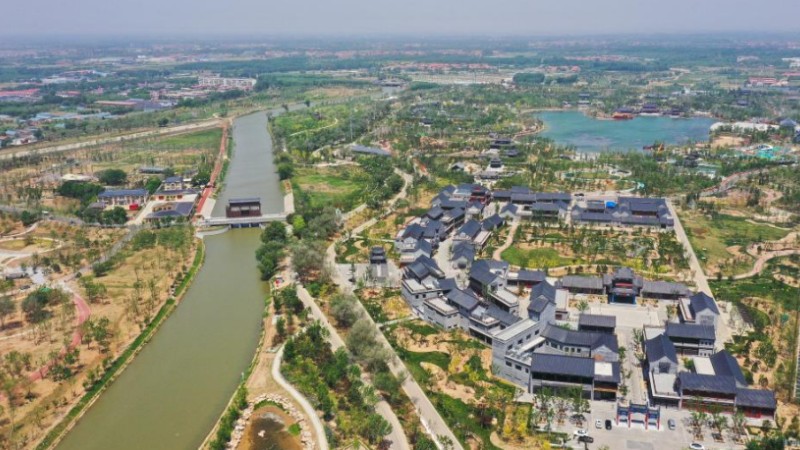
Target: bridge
241, 222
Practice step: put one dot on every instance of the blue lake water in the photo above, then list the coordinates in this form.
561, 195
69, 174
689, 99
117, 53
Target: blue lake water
591, 135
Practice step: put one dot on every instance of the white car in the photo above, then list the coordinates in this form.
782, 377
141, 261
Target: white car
697, 446
598, 424
580, 433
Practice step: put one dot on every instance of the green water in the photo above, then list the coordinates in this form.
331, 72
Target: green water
573, 128
172, 393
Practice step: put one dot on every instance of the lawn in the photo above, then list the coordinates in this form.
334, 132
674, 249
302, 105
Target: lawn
712, 237
341, 187
200, 139
764, 287
535, 257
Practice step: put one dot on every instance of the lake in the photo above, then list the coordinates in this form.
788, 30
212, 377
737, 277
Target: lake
587, 134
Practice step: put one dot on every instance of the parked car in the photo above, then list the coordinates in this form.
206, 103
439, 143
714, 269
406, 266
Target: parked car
598, 424
671, 424
580, 433
608, 424
697, 446
586, 439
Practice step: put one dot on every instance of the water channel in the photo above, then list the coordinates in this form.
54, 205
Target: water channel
176, 388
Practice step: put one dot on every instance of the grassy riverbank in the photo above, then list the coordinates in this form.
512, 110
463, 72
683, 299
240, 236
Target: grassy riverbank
121, 362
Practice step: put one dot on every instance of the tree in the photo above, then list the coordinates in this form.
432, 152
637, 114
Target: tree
345, 310
308, 260
112, 177
162, 122
375, 428
738, 420
274, 232
152, 184
583, 305
101, 333
363, 342
7, 308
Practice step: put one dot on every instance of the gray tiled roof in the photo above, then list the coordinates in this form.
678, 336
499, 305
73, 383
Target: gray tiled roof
665, 288
562, 365
581, 282
580, 338
533, 276
660, 347
597, 320
726, 365
756, 398
541, 295
702, 301
707, 383
690, 331
462, 299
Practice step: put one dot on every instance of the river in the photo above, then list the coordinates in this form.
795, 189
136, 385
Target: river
172, 393
587, 134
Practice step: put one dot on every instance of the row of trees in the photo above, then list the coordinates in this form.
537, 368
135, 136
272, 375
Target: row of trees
334, 385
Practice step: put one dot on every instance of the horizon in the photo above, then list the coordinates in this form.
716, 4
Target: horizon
362, 18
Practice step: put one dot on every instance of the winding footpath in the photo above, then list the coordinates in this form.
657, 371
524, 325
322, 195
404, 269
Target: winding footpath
319, 429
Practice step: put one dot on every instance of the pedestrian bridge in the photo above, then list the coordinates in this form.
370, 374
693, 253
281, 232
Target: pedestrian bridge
241, 222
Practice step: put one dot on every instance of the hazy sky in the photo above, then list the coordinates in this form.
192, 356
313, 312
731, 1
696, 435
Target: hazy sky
354, 17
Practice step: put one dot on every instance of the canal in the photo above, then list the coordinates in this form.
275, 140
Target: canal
175, 389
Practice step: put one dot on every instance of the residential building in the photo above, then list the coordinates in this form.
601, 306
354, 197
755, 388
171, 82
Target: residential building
132, 199
700, 308
691, 339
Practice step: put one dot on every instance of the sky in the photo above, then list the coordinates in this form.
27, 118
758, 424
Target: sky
395, 17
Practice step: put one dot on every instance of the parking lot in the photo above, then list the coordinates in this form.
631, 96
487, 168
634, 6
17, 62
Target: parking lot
636, 437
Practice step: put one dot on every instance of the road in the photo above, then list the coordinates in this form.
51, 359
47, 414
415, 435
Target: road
724, 332
397, 436
700, 280
430, 418
319, 429
111, 139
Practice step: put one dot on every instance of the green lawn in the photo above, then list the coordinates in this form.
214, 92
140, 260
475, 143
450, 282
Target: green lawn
341, 187
763, 287
711, 237
535, 258
199, 139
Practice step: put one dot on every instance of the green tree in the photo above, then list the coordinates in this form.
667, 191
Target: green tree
7, 308
112, 177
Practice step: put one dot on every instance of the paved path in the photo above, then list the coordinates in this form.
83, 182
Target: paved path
762, 261
319, 429
397, 436
430, 418
700, 279
509, 240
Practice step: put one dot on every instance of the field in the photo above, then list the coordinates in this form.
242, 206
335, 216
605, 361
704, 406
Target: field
719, 240
550, 247
341, 187
536, 257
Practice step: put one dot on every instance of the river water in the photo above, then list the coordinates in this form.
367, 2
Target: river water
250, 173
592, 135
172, 393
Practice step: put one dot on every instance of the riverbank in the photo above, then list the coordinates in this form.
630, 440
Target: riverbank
57, 433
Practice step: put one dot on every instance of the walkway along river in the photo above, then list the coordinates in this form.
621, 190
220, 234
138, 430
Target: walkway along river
173, 392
